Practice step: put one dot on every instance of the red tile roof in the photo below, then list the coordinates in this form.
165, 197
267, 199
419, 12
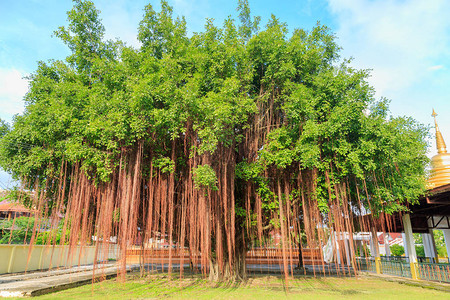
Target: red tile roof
16, 207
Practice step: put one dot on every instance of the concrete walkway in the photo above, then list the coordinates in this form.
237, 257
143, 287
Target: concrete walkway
43, 282
441, 286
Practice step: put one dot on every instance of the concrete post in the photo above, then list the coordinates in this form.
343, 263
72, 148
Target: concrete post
432, 241
429, 246
372, 245
337, 249
404, 244
447, 240
426, 245
386, 244
347, 249
376, 253
433, 244
410, 245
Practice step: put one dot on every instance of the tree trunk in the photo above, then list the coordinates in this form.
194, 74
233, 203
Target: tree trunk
237, 271
300, 257
214, 270
240, 267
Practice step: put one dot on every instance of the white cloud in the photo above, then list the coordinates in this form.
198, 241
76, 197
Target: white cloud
12, 90
399, 40
435, 68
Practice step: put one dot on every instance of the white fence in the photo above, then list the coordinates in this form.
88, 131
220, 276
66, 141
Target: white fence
17, 258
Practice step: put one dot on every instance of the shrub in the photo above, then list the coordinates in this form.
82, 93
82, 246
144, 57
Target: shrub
397, 250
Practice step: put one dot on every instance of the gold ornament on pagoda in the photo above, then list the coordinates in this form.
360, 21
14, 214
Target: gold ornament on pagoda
440, 163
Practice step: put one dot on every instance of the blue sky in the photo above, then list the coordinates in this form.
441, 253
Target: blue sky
406, 43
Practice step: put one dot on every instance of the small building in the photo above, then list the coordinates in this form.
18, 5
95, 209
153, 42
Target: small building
11, 210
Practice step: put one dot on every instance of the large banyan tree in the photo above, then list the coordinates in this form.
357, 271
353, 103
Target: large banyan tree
213, 141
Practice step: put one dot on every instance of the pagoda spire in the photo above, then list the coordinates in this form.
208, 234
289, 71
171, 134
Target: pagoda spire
440, 143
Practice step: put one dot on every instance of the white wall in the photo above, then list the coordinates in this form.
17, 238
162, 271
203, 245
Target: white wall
20, 258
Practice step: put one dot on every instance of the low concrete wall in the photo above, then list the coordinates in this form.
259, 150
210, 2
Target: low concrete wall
17, 258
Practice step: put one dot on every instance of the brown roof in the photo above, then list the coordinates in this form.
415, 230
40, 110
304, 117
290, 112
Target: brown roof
15, 207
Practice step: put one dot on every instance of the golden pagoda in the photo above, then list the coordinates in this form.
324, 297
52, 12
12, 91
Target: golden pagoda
440, 163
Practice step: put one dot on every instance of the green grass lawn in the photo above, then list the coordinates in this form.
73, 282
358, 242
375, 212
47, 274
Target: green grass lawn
257, 287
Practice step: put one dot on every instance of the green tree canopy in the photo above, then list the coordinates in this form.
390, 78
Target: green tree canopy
282, 133
4, 128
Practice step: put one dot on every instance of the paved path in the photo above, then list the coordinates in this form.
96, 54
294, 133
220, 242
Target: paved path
43, 282
442, 286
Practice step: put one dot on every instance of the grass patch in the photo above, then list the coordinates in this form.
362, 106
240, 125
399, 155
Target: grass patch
256, 287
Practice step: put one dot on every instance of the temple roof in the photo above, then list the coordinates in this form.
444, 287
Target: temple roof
6, 206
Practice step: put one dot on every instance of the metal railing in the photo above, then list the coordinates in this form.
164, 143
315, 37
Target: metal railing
434, 272
395, 267
366, 264
420, 259
400, 266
